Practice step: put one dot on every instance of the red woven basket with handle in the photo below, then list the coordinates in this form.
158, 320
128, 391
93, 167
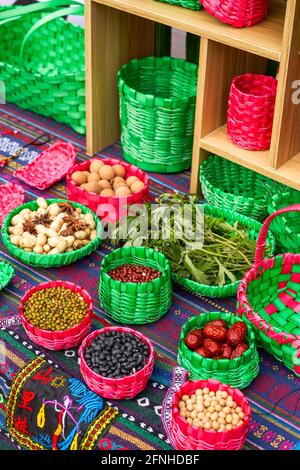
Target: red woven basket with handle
64, 339
251, 111
238, 13
187, 437
126, 387
94, 201
269, 299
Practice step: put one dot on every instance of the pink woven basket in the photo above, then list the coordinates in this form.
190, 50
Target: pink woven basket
94, 201
126, 387
57, 340
238, 13
187, 437
251, 111
49, 167
11, 196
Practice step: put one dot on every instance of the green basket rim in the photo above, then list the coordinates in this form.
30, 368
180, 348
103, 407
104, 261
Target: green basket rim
45, 260
165, 270
151, 100
8, 271
277, 202
231, 288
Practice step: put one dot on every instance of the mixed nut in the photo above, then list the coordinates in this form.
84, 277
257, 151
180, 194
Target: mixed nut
52, 228
212, 411
116, 354
134, 273
55, 309
107, 180
217, 341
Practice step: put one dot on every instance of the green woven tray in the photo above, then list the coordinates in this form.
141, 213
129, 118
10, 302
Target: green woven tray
252, 226
192, 4
128, 302
6, 273
49, 76
230, 186
286, 227
237, 373
49, 261
157, 111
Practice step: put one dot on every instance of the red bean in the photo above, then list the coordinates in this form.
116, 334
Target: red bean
134, 273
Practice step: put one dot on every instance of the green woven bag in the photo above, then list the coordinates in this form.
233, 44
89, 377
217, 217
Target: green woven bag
42, 60
230, 186
128, 302
157, 112
192, 4
253, 228
237, 373
6, 273
286, 227
43, 260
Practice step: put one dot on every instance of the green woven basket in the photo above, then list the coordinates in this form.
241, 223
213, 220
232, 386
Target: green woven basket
252, 226
6, 274
157, 112
42, 61
230, 186
49, 261
237, 373
286, 227
128, 302
192, 4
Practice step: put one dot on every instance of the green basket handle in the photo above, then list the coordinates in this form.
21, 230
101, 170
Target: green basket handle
16, 12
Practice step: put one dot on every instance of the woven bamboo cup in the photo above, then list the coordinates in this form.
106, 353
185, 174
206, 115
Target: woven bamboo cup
286, 227
238, 13
269, 299
129, 302
63, 339
187, 437
118, 389
238, 373
251, 111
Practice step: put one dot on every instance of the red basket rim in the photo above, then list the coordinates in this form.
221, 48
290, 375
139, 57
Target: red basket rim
16, 194
86, 342
47, 285
195, 384
265, 79
109, 161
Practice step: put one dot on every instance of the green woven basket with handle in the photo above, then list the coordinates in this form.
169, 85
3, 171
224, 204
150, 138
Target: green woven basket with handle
192, 4
6, 274
46, 260
230, 186
42, 60
252, 226
286, 227
157, 112
128, 302
237, 373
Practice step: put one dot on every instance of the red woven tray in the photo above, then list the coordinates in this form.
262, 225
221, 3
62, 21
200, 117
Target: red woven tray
238, 13
49, 167
57, 340
93, 201
118, 389
11, 196
187, 437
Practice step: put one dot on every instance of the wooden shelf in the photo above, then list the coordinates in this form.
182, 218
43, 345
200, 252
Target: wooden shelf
218, 143
264, 39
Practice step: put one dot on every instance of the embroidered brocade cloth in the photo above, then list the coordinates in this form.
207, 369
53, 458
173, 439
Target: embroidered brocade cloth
47, 409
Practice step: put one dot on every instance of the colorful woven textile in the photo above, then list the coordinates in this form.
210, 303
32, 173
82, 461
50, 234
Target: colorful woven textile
273, 395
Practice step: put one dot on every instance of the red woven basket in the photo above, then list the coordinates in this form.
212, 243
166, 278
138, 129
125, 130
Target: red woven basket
187, 437
251, 111
11, 196
94, 201
238, 13
49, 167
126, 387
57, 340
